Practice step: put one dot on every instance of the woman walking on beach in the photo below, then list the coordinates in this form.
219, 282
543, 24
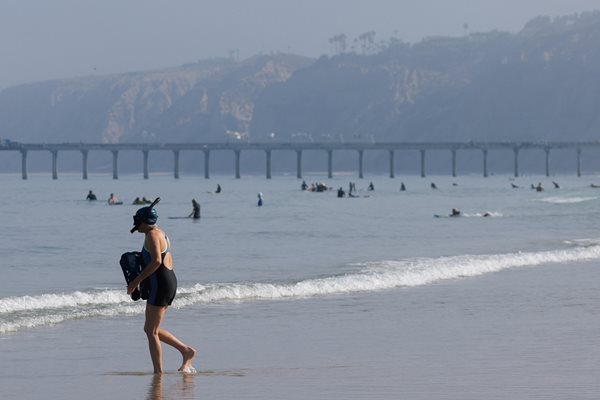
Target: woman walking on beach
163, 286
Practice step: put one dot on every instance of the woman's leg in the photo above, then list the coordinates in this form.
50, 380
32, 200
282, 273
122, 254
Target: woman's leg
186, 351
154, 315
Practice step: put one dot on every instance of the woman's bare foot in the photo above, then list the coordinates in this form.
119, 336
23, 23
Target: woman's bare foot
188, 356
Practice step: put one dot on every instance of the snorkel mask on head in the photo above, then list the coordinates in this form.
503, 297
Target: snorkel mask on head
146, 215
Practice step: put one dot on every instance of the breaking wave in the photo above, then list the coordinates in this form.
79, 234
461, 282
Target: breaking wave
566, 200
17, 313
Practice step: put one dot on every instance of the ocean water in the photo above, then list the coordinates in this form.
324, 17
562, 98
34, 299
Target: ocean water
309, 295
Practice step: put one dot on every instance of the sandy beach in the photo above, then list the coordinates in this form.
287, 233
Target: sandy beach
523, 333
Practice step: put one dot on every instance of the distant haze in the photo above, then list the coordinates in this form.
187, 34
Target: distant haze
42, 40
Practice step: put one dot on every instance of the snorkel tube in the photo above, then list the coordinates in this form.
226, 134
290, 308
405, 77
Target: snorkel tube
146, 215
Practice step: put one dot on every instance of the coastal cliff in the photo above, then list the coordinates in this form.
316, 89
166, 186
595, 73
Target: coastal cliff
539, 84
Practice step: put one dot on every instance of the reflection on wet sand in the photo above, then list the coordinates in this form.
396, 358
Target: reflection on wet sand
180, 388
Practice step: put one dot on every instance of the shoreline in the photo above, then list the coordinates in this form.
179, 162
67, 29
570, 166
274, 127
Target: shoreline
520, 333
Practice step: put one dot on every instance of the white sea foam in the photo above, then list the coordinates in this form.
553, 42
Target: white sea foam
18, 313
566, 200
495, 214
189, 370
583, 242
61, 300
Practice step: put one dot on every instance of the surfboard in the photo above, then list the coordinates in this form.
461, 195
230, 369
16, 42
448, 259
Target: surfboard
132, 264
179, 217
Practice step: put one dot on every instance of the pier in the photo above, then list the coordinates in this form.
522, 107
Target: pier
516, 148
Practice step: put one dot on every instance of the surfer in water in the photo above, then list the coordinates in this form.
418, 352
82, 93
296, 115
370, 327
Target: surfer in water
112, 200
260, 199
163, 286
91, 196
195, 214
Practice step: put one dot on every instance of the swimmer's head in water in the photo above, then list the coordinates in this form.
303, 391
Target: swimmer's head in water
146, 215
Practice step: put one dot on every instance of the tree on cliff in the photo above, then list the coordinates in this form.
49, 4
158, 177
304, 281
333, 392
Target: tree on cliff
338, 43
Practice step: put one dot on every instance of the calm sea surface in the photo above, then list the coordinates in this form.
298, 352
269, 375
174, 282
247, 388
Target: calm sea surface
309, 296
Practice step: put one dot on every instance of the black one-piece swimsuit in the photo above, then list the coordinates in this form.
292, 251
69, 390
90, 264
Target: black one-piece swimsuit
163, 282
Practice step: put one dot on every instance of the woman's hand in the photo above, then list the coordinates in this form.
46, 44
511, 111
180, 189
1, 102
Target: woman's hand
131, 287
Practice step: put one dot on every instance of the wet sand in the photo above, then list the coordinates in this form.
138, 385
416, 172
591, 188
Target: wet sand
528, 333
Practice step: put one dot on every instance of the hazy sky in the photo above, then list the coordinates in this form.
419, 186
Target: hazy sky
47, 39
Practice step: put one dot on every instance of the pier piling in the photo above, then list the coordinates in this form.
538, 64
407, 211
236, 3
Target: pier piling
329, 147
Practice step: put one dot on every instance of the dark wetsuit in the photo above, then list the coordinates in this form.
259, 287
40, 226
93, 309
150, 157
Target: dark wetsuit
163, 282
196, 211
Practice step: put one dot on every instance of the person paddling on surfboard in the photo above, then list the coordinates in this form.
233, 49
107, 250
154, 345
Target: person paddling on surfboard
163, 286
455, 213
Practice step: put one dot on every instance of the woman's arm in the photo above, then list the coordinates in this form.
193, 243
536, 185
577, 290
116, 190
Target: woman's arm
153, 246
